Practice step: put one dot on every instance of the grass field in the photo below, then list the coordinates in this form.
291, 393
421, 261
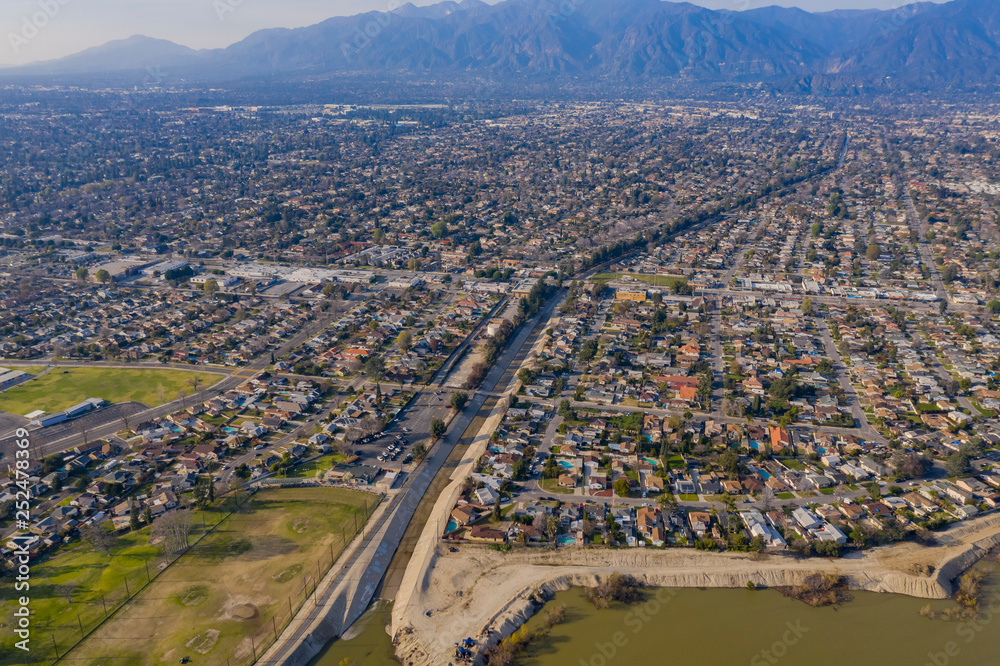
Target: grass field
309, 470
64, 387
654, 280
72, 589
552, 486
223, 599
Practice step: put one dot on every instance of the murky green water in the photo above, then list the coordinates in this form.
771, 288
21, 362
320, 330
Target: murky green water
367, 643
734, 627
690, 626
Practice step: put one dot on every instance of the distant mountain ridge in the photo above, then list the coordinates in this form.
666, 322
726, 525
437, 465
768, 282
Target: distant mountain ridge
641, 41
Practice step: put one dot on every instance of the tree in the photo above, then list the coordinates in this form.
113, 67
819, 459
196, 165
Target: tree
103, 276
496, 514
174, 528
551, 527
957, 464
375, 369
419, 451
211, 286
949, 273
729, 461
527, 376
667, 500
439, 229
133, 516
370, 425
438, 428
873, 252
405, 341
767, 498
65, 591
459, 400
807, 307
82, 274
147, 515
622, 487
98, 538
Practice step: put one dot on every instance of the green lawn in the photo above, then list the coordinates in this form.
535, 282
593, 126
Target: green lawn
792, 463
988, 413
67, 589
552, 486
63, 387
655, 280
827, 491
785, 496
235, 586
687, 497
308, 470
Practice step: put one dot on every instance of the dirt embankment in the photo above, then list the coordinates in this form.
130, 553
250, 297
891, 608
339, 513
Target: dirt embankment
462, 594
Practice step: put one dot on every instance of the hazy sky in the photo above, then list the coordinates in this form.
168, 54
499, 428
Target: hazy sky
45, 29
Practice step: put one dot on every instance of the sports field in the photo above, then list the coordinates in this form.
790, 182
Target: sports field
72, 590
60, 388
654, 280
223, 600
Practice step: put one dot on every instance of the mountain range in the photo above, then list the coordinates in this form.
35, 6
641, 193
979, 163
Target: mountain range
922, 45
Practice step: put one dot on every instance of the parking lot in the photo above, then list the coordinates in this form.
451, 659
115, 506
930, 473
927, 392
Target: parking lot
412, 426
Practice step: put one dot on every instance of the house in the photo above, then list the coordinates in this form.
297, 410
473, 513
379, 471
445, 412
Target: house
567, 480
486, 495
701, 522
753, 386
487, 535
464, 514
806, 518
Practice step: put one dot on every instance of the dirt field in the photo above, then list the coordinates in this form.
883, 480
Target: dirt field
225, 597
463, 592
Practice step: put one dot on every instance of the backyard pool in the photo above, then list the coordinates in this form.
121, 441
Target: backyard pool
565, 464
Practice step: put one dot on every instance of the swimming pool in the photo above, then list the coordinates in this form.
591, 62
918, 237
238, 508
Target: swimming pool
565, 464
451, 527
566, 540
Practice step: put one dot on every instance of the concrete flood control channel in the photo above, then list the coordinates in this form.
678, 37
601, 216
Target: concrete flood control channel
502, 375
399, 562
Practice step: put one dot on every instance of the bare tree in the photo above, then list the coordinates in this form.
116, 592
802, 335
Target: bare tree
83, 430
174, 527
65, 591
767, 498
194, 383
539, 522
370, 425
98, 538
